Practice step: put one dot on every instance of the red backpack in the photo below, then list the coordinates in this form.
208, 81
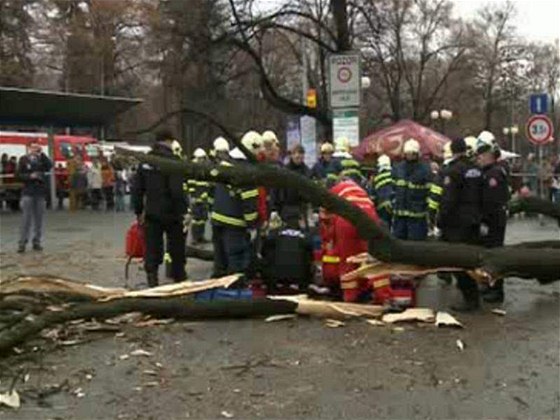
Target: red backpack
135, 246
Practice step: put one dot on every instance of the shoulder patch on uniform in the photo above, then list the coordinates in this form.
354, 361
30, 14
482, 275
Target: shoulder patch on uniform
493, 182
146, 166
447, 180
473, 173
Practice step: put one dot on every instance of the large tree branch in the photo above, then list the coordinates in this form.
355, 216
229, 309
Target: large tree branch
542, 264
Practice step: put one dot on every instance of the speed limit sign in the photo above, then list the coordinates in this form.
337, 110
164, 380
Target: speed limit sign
539, 129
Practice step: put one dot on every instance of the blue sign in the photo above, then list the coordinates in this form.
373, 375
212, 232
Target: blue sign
539, 103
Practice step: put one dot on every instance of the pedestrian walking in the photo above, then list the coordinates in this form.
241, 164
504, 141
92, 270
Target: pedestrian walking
160, 204
33, 170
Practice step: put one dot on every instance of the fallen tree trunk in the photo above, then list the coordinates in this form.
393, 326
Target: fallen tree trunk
199, 254
175, 307
541, 264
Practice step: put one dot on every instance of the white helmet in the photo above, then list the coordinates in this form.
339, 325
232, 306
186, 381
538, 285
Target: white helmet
199, 153
176, 148
342, 145
269, 136
384, 162
471, 143
237, 154
486, 142
447, 153
221, 145
252, 141
411, 146
327, 148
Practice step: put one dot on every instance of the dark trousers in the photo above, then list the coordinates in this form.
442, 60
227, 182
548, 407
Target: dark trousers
200, 215
494, 239
232, 250
109, 196
467, 235
173, 230
410, 228
95, 198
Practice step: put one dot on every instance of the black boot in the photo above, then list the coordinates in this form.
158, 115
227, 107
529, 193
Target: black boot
152, 278
470, 303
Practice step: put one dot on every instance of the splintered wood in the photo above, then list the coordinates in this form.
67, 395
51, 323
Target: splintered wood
370, 267
57, 286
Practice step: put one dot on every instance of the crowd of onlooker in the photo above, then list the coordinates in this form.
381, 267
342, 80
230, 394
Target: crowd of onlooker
103, 184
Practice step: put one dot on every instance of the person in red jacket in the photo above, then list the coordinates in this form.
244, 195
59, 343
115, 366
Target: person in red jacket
341, 240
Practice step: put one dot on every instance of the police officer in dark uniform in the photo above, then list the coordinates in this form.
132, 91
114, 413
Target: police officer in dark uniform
160, 204
495, 196
459, 214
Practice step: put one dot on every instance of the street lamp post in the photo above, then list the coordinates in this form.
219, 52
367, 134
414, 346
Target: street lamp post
443, 116
511, 131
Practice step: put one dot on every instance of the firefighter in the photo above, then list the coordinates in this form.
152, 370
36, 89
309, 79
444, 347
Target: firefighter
342, 241
252, 142
344, 165
412, 179
383, 191
220, 150
459, 215
198, 194
320, 169
495, 196
160, 204
234, 219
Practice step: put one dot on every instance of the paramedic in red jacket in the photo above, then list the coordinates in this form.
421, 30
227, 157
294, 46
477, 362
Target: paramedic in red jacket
342, 241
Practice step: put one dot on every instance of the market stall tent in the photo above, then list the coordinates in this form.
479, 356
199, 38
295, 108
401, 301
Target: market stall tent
390, 141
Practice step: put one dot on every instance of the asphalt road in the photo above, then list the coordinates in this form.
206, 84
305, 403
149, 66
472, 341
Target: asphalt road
510, 366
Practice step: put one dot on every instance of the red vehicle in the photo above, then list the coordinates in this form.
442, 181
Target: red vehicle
14, 144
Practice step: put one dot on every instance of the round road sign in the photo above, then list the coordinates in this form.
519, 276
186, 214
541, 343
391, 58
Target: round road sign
539, 129
344, 74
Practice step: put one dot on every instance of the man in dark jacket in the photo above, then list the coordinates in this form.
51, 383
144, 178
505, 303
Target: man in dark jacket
290, 200
32, 170
495, 196
459, 214
161, 204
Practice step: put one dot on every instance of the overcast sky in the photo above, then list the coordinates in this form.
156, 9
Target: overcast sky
538, 20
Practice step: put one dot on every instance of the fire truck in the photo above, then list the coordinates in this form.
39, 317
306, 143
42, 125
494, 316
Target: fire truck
14, 145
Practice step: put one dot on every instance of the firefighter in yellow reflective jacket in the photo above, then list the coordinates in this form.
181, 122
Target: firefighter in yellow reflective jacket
413, 179
383, 191
344, 166
198, 193
234, 219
